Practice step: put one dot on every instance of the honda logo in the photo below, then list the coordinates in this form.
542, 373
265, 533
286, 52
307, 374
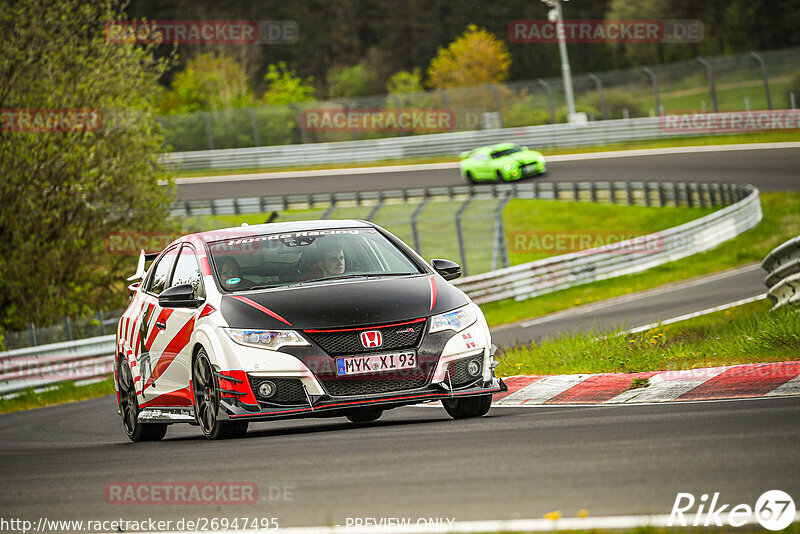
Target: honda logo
371, 339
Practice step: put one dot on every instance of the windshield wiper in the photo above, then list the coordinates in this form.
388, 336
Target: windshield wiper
263, 287
360, 275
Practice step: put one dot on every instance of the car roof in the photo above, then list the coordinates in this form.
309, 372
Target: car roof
494, 148
281, 227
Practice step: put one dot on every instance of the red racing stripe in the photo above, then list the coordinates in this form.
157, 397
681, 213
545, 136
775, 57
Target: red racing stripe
162, 317
177, 344
433, 291
261, 308
753, 380
205, 268
598, 388
180, 397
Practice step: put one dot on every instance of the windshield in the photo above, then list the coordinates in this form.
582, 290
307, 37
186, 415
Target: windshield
505, 152
274, 260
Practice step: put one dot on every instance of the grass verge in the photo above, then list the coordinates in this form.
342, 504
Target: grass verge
781, 222
60, 394
745, 334
757, 137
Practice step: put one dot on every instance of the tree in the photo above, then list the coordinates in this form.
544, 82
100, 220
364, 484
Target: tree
348, 81
209, 82
64, 192
284, 87
404, 82
476, 57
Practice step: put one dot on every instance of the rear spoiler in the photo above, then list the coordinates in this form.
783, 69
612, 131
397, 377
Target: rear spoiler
466, 154
143, 257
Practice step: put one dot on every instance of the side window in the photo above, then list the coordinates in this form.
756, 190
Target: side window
187, 271
158, 282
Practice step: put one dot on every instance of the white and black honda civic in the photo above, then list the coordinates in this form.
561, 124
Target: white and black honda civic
299, 319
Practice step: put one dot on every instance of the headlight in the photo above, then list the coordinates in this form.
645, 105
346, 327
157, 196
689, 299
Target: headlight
456, 320
507, 167
266, 339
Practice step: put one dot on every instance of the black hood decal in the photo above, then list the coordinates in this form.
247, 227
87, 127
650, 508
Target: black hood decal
342, 304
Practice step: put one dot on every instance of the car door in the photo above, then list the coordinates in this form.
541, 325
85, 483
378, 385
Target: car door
172, 355
482, 166
150, 339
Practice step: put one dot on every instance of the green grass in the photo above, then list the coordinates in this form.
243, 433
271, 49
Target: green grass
746, 334
756, 137
537, 229
781, 221
60, 394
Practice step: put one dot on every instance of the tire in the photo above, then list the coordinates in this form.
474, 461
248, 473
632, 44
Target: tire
205, 391
467, 407
365, 415
129, 406
500, 177
470, 178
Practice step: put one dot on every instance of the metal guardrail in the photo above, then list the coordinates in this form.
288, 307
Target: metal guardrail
560, 272
43, 365
90, 358
416, 146
783, 280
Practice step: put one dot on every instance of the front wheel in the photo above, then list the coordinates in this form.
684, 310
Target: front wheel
467, 407
500, 177
205, 388
129, 406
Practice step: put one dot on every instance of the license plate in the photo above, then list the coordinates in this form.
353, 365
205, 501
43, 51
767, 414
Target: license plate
376, 363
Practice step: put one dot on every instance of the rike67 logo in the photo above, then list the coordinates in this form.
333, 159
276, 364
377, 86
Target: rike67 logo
774, 510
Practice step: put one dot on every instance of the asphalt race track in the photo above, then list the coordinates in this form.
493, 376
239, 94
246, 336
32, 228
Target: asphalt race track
417, 463
642, 308
767, 169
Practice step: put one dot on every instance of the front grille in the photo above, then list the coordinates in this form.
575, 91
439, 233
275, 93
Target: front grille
457, 371
337, 343
350, 387
289, 390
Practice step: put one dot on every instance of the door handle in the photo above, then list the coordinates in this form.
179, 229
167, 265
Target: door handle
161, 326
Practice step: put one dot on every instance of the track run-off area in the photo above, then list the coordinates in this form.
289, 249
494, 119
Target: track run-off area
516, 463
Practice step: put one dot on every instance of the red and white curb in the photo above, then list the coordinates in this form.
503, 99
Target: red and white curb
729, 382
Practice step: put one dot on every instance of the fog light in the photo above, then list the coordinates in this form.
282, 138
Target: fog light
474, 368
266, 389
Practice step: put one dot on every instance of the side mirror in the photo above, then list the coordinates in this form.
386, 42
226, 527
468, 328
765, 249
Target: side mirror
449, 270
181, 296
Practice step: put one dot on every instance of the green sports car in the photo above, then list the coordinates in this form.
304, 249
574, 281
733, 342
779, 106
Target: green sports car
504, 162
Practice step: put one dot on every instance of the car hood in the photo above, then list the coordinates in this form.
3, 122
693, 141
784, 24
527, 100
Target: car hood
342, 304
528, 156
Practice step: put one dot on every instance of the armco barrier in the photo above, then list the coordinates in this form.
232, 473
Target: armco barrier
416, 146
38, 366
560, 272
89, 358
783, 280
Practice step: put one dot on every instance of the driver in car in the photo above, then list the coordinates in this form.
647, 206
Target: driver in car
328, 261
231, 275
